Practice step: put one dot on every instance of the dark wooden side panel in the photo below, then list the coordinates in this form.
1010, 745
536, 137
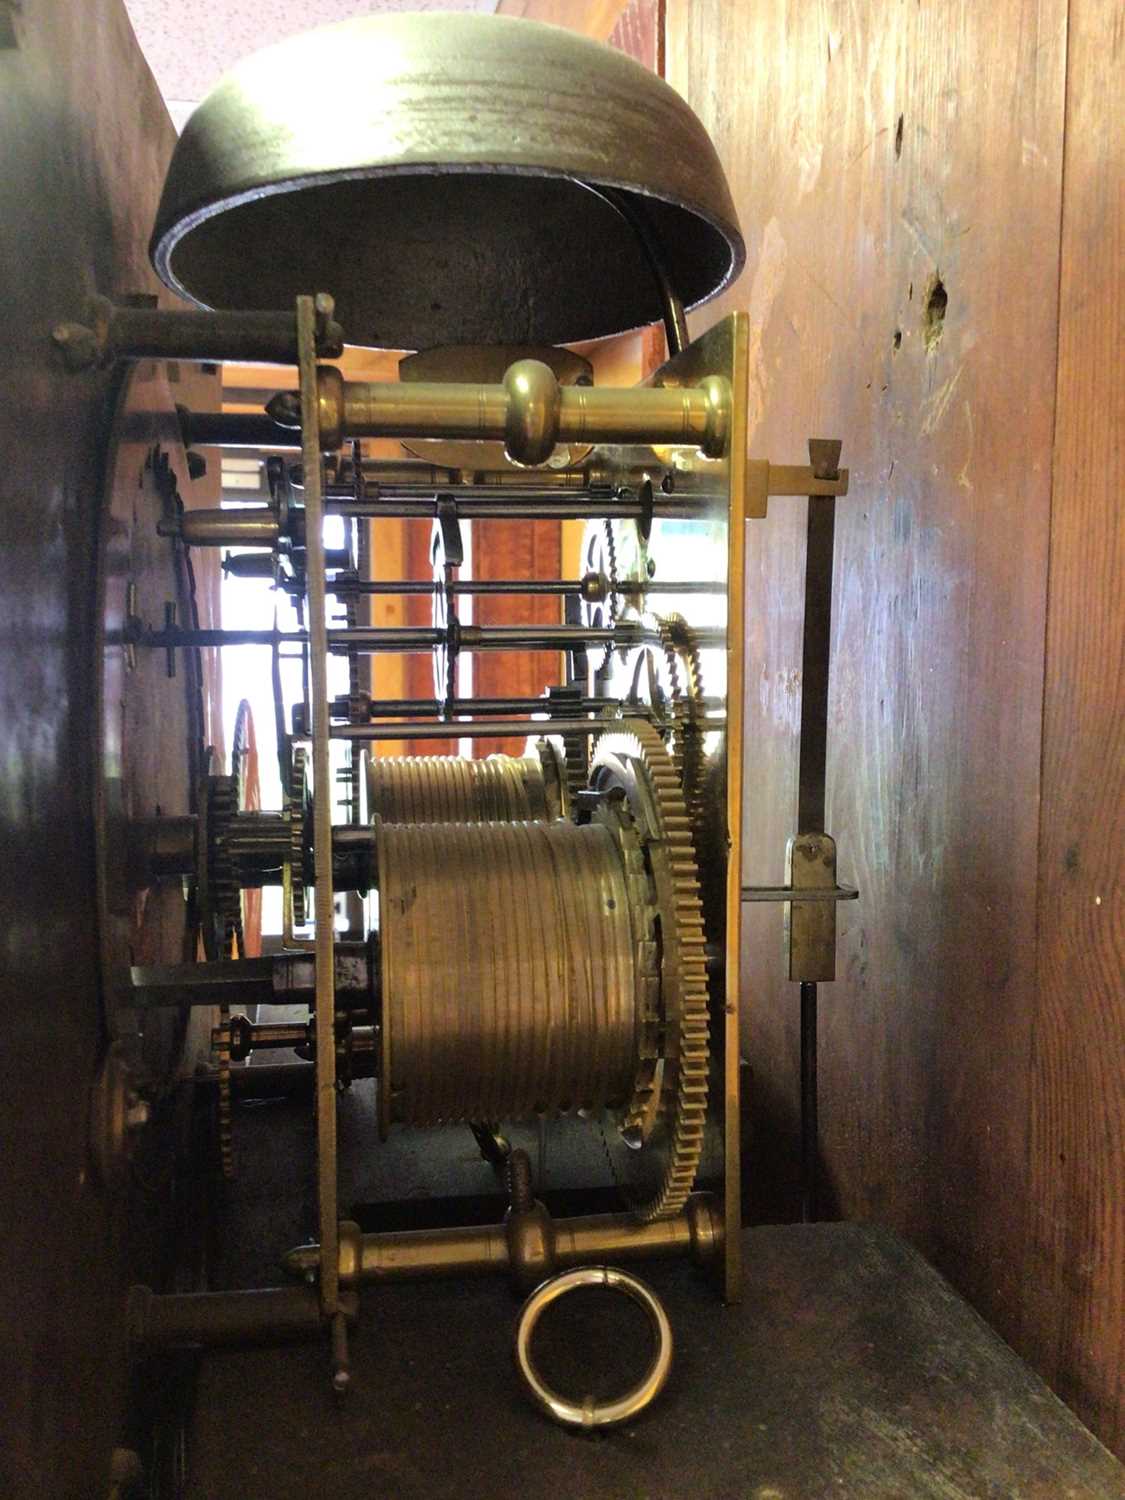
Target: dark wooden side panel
1075, 1272
84, 141
898, 172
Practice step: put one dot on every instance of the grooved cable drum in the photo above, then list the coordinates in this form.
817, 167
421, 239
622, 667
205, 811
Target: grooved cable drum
449, 789
508, 971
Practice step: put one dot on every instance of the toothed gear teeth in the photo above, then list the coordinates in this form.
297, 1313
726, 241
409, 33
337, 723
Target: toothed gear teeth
685, 674
685, 1019
226, 798
226, 1123
296, 810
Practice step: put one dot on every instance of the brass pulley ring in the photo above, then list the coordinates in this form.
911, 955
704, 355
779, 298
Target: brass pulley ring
589, 1413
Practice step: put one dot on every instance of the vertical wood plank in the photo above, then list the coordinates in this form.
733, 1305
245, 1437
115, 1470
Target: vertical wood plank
515, 549
595, 18
897, 169
86, 140
1075, 1279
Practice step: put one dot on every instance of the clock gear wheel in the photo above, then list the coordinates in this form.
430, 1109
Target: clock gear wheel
221, 902
665, 1119
298, 811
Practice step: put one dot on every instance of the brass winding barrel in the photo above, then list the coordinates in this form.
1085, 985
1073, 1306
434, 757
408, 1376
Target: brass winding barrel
451, 789
509, 970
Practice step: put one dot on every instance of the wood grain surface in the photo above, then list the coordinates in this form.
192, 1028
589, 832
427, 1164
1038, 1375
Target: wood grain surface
850, 1371
899, 174
515, 549
1074, 1275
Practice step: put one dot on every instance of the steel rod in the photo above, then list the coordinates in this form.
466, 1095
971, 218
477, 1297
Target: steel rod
214, 1319
473, 506
528, 486
382, 473
113, 332
406, 638
213, 429
422, 708
371, 638
156, 333
284, 978
801, 894
459, 589
478, 729
571, 587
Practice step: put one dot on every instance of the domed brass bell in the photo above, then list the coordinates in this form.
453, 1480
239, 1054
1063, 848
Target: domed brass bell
442, 176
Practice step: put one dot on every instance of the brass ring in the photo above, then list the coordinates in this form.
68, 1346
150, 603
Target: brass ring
589, 1413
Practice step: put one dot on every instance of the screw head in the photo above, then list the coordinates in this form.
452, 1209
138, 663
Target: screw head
79, 345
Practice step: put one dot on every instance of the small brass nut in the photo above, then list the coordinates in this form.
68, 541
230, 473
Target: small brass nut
79, 346
87, 345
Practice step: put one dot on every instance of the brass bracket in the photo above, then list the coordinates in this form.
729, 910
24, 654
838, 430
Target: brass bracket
764, 479
810, 926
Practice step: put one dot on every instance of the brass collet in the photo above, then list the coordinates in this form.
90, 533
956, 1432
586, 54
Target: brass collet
528, 1247
529, 412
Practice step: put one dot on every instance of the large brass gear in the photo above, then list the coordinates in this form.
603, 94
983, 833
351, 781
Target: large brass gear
226, 798
673, 1116
217, 880
218, 897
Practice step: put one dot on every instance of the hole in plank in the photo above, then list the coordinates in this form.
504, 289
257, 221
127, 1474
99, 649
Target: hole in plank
933, 317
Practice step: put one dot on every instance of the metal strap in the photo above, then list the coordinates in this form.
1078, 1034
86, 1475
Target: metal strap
322, 815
